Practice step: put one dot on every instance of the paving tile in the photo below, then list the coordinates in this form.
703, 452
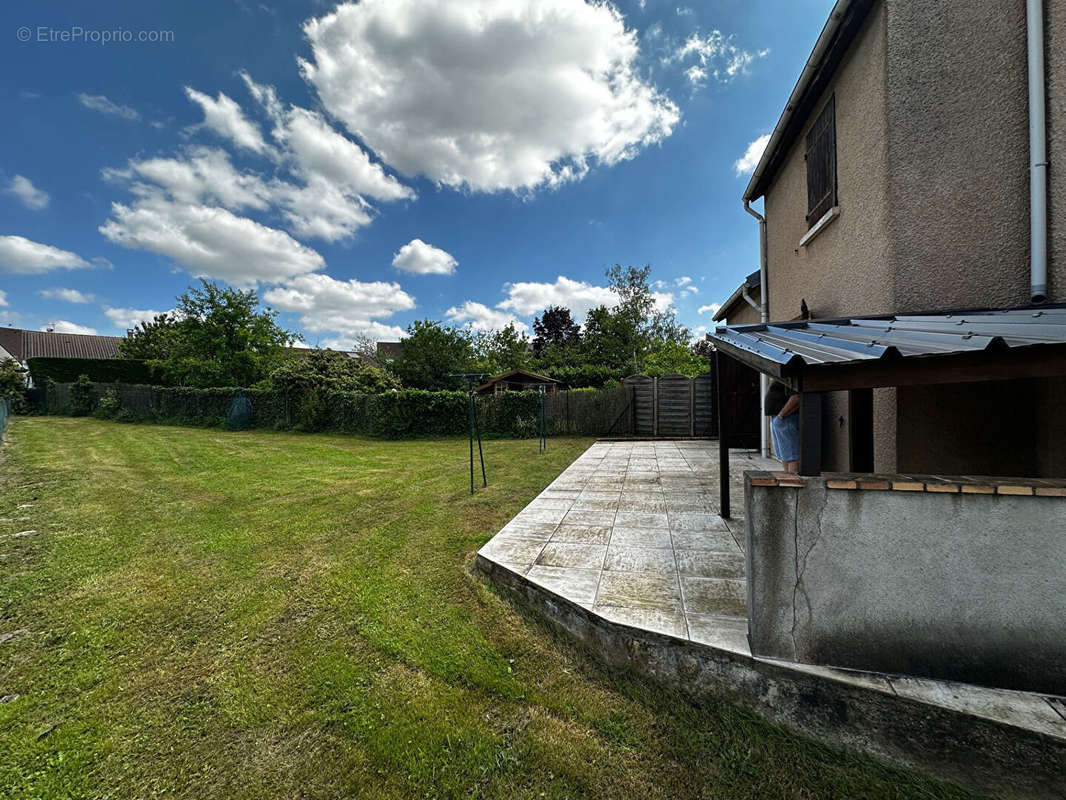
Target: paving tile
589, 494
583, 534
638, 519
704, 540
595, 505
571, 554
672, 623
600, 517
576, 585
545, 503
512, 552
1021, 709
709, 564
697, 522
629, 494
642, 506
659, 560
542, 514
528, 530
719, 596
639, 590
640, 537
726, 633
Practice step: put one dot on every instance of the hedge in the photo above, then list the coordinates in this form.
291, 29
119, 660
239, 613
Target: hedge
409, 413
99, 370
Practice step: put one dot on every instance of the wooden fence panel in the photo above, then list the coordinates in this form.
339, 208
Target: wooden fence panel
674, 401
705, 421
642, 397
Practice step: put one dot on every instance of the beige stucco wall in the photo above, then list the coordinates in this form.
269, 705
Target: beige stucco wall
744, 314
932, 165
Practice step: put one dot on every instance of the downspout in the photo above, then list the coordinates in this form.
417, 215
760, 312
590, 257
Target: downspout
748, 300
764, 316
1034, 18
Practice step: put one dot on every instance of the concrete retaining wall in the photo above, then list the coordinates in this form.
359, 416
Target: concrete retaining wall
932, 582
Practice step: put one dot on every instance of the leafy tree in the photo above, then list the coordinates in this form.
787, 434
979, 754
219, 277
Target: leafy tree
669, 356
327, 370
431, 352
82, 397
217, 337
499, 351
556, 329
13, 384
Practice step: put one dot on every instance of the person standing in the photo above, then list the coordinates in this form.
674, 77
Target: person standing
782, 406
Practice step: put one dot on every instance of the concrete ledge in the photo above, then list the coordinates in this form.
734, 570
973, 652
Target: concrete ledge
851, 709
953, 484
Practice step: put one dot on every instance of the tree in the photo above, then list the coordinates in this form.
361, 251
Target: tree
431, 353
669, 356
13, 384
216, 337
331, 371
499, 351
555, 329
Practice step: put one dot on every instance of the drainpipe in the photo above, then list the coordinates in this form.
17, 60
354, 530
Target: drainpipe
749, 301
1034, 18
764, 316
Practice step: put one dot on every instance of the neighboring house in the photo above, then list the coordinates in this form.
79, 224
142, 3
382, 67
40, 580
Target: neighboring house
23, 345
742, 307
517, 380
897, 180
389, 350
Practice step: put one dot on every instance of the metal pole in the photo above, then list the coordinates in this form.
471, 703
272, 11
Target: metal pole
470, 414
477, 426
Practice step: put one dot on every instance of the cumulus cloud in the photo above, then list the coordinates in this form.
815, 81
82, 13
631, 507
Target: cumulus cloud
350, 308
712, 307
127, 318
23, 256
683, 284
480, 317
747, 163
424, 259
104, 105
3, 298
67, 295
210, 242
486, 94
714, 55
66, 326
224, 116
529, 297
28, 194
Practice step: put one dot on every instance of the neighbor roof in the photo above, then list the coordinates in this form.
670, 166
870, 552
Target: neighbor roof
839, 32
877, 351
753, 281
509, 373
23, 344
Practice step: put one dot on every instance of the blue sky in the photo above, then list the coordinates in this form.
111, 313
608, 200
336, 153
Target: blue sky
368, 164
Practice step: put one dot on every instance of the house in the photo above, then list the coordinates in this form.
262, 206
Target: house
388, 351
23, 345
897, 181
742, 307
517, 380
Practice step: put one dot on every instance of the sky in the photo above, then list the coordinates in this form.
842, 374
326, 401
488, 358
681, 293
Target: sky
367, 164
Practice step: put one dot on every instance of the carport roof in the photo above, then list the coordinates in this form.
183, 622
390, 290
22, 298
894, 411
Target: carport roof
939, 347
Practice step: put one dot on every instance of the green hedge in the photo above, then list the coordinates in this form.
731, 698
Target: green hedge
409, 413
99, 370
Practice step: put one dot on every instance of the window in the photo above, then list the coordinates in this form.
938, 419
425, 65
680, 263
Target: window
821, 157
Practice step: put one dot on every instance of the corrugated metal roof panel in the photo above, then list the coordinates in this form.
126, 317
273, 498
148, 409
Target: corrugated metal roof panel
862, 339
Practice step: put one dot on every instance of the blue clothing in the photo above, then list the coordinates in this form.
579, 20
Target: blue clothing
785, 434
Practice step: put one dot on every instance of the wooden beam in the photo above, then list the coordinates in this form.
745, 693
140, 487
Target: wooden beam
810, 433
861, 430
723, 436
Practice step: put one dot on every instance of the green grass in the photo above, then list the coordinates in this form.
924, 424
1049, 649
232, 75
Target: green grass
251, 615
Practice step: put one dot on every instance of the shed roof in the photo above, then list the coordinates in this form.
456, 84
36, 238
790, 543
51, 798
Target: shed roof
25, 344
938, 347
513, 372
753, 281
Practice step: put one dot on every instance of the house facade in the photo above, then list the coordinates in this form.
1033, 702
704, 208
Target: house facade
897, 181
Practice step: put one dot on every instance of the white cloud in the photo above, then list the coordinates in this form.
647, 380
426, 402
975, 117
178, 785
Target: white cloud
22, 256
210, 242
224, 116
714, 55
487, 94
3, 298
482, 318
98, 102
528, 297
203, 175
126, 318
30, 196
350, 307
66, 326
750, 160
713, 308
424, 259
67, 295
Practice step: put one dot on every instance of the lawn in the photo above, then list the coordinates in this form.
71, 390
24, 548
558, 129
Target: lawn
206, 614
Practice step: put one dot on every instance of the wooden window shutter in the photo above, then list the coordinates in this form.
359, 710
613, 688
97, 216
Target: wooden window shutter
821, 159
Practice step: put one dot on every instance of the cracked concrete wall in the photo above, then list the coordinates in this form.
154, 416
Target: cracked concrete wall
963, 587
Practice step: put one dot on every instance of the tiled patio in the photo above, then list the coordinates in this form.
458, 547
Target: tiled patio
652, 578
631, 531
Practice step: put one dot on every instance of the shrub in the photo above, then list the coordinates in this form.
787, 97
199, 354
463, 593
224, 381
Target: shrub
109, 406
13, 384
99, 370
82, 397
